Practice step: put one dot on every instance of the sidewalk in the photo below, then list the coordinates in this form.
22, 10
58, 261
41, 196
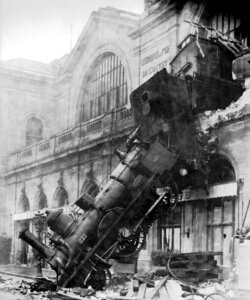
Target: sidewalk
25, 271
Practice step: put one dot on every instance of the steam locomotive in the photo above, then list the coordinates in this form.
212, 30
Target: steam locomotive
165, 153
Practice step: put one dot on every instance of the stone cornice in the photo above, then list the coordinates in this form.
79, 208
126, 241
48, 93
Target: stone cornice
149, 22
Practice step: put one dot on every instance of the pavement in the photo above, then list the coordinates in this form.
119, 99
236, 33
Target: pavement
25, 271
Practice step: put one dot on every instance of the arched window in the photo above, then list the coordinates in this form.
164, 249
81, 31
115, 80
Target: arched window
34, 130
23, 203
221, 170
105, 87
89, 186
61, 197
41, 200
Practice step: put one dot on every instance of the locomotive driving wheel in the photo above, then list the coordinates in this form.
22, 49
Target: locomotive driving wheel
130, 242
100, 279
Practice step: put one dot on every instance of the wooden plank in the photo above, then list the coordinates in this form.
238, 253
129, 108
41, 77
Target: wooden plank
130, 290
164, 295
142, 290
173, 289
157, 287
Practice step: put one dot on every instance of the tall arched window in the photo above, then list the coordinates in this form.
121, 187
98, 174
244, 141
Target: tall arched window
61, 197
34, 130
105, 87
41, 200
89, 186
221, 170
23, 203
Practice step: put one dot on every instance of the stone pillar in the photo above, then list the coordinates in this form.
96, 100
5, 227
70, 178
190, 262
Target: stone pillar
30, 254
13, 243
17, 247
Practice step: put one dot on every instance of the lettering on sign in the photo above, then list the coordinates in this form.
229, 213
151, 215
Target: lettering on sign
155, 62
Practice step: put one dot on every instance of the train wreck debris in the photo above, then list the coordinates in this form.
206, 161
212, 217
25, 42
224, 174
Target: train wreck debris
165, 154
141, 286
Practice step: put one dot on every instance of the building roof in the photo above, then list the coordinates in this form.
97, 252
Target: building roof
35, 67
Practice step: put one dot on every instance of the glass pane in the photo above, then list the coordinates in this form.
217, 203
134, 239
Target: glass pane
217, 214
107, 75
177, 239
228, 211
217, 239
210, 218
210, 239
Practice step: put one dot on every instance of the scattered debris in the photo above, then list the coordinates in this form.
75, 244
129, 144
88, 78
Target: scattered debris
139, 287
42, 285
211, 119
190, 267
21, 287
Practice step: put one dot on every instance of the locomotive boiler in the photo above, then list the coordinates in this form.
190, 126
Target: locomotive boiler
165, 154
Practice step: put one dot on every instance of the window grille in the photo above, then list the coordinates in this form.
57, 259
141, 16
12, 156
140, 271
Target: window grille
105, 87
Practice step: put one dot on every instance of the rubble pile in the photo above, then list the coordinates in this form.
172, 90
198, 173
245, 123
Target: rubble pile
22, 287
210, 119
139, 287
151, 287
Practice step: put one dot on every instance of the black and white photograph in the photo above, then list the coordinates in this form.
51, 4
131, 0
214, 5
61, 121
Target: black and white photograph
125, 150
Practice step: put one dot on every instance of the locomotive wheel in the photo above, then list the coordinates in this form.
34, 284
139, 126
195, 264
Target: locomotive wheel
100, 279
130, 243
108, 220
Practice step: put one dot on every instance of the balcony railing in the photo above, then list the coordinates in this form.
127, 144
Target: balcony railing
86, 133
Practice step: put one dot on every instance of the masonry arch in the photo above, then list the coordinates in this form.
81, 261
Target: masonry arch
61, 197
90, 186
40, 200
222, 170
103, 54
23, 203
34, 129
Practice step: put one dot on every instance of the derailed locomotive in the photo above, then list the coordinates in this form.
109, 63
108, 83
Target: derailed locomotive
165, 153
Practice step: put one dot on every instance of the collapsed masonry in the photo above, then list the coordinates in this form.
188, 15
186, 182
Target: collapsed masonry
238, 109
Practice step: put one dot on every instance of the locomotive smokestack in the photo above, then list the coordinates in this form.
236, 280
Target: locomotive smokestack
33, 241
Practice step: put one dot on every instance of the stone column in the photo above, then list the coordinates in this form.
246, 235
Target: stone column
17, 247
13, 244
30, 254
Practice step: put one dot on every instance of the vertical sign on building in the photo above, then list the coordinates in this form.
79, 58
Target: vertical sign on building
154, 61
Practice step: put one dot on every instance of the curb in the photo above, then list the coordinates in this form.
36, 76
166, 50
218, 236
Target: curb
17, 275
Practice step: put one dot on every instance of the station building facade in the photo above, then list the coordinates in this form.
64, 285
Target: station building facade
61, 122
